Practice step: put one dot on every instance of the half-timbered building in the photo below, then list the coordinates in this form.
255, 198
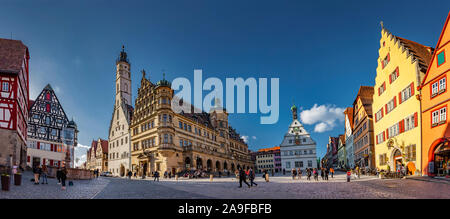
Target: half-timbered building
14, 94
51, 136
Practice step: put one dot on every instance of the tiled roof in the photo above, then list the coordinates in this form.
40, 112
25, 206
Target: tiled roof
104, 144
365, 93
422, 53
93, 145
12, 53
269, 149
349, 113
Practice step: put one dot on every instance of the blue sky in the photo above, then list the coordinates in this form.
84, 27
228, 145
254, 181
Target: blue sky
322, 51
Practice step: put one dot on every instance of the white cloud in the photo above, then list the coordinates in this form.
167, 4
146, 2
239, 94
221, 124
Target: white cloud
245, 138
324, 116
80, 154
254, 137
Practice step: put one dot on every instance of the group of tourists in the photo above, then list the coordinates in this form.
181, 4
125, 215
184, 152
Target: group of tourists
41, 172
314, 172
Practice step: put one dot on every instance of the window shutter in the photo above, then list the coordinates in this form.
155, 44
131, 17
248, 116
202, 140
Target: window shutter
397, 72
51, 162
382, 64
399, 97
402, 126
379, 93
415, 120
384, 136
28, 158
395, 101
384, 86
385, 108
51, 147
377, 139
388, 58
382, 112
412, 89
390, 79
39, 145
43, 161
387, 133
376, 117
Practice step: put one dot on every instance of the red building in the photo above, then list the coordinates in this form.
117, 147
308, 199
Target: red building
14, 95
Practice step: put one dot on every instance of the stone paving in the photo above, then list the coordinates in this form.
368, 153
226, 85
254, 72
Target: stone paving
82, 189
279, 187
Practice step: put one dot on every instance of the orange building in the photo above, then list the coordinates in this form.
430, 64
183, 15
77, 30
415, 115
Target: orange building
434, 103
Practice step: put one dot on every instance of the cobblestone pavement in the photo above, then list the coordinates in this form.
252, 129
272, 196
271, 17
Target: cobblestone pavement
227, 188
82, 189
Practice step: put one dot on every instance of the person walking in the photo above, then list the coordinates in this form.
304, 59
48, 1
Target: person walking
36, 175
284, 171
322, 173
242, 178
44, 174
156, 176
299, 172
129, 174
58, 175
308, 174
316, 174
326, 174
251, 176
294, 173
63, 177
332, 172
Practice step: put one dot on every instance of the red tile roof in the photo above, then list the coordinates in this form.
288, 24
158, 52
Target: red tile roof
12, 54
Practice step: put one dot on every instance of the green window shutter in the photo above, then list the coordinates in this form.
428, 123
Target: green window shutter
441, 58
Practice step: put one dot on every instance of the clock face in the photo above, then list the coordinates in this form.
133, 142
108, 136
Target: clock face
296, 129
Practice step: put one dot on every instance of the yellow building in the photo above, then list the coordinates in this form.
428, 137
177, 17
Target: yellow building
402, 65
163, 140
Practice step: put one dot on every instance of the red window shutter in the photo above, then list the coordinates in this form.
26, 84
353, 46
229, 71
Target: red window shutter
388, 58
397, 72
415, 120
43, 161
384, 136
59, 163
51, 147
385, 108
382, 64
39, 145
412, 89
390, 79
51, 162
379, 93
387, 133
28, 158
377, 139
399, 97
384, 85
395, 101
382, 112
47, 107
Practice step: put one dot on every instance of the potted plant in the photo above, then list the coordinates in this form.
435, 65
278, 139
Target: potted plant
17, 179
5, 179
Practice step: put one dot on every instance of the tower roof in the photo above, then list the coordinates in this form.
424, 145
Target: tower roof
12, 54
163, 82
123, 57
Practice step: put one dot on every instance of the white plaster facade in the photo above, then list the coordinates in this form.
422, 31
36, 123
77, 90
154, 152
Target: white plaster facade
298, 149
119, 140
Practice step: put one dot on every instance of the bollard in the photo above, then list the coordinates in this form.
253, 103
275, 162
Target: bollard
211, 177
349, 174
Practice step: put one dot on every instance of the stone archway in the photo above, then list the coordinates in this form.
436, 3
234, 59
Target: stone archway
187, 163
232, 167
225, 165
218, 166
199, 163
209, 165
396, 158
